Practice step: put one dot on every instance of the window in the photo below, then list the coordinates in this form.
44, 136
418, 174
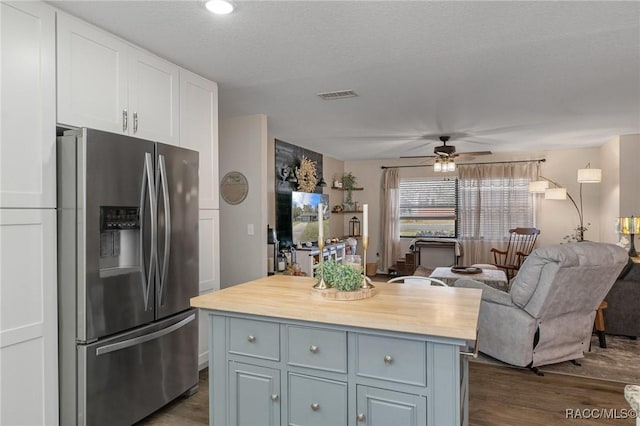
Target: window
489, 207
428, 208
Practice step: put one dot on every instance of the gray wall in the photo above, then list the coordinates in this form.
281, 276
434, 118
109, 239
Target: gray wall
243, 148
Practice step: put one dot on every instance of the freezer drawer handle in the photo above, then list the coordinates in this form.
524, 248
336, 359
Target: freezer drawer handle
138, 340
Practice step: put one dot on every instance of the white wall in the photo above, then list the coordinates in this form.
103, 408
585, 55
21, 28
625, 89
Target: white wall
610, 190
558, 218
243, 148
629, 175
333, 169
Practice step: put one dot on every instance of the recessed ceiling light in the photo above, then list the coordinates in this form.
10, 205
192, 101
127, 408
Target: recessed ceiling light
219, 7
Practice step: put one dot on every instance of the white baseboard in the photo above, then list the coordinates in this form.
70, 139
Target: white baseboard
203, 360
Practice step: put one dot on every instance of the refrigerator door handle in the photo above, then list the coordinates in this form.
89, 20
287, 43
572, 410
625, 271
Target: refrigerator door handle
147, 177
162, 170
145, 338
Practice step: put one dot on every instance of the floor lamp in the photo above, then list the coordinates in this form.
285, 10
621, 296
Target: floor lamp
586, 175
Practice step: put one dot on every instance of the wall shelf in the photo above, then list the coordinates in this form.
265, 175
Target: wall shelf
344, 189
348, 211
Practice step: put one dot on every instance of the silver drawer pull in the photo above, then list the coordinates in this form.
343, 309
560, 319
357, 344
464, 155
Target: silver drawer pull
274, 397
388, 359
315, 406
314, 349
251, 339
360, 417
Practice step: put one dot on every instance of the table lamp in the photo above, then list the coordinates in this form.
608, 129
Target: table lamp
630, 226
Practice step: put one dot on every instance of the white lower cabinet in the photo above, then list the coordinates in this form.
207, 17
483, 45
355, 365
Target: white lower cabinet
209, 230
28, 318
209, 276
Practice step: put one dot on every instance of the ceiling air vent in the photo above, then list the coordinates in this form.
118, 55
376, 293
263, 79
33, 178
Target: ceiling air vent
338, 94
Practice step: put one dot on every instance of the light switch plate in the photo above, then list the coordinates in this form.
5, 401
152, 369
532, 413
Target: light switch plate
250, 229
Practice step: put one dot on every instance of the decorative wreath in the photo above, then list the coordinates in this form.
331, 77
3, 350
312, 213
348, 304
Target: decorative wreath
306, 175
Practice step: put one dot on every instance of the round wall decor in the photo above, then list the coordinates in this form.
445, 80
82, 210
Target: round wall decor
234, 187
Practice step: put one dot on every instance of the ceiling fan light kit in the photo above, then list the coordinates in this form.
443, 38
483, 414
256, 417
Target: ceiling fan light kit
444, 165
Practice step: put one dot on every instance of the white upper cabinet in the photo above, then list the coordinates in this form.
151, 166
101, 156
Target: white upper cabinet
153, 97
199, 131
107, 84
27, 105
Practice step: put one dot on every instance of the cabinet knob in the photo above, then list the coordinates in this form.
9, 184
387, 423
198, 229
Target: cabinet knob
360, 417
388, 359
274, 397
251, 339
314, 349
315, 406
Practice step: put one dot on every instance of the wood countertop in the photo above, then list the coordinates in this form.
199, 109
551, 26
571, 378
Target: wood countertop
409, 308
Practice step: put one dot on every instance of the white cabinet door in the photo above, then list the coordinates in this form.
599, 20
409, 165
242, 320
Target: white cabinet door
209, 229
153, 97
92, 76
27, 105
199, 131
105, 83
28, 318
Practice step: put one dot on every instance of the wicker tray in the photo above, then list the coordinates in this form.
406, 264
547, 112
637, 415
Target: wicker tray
333, 294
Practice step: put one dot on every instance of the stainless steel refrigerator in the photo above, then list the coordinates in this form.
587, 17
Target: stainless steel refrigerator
128, 265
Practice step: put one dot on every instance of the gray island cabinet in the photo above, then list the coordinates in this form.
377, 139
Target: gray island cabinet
282, 355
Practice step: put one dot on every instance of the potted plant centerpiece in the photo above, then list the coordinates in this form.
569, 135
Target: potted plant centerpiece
340, 276
344, 281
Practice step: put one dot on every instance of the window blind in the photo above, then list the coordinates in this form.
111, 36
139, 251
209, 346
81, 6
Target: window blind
428, 207
490, 207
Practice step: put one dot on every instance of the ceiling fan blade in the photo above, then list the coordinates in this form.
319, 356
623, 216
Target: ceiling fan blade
476, 153
419, 156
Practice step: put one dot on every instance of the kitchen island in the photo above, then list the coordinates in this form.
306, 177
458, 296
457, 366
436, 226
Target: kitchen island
281, 355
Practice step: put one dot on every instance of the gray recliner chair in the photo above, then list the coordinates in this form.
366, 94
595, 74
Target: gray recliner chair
547, 315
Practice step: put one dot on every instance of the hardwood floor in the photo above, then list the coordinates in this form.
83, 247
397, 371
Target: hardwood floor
511, 396
497, 396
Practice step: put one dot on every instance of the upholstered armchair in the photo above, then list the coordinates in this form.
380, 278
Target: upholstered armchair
547, 315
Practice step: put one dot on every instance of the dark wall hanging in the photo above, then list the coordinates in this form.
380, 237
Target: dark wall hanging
288, 158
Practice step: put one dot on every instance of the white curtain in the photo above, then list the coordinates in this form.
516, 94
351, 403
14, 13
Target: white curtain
390, 219
493, 198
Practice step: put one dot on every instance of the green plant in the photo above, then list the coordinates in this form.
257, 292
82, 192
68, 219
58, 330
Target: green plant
348, 183
339, 276
577, 234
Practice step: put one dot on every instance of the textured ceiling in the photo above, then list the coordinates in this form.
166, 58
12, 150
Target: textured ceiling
510, 76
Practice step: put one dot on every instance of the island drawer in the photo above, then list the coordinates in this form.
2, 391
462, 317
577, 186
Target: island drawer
389, 358
316, 401
254, 338
317, 348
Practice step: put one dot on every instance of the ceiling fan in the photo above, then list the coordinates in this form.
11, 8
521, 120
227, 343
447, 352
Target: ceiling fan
445, 151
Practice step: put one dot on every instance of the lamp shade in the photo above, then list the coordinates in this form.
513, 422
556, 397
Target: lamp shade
451, 166
437, 166
629, 225
555, 194
538, 186
589, 175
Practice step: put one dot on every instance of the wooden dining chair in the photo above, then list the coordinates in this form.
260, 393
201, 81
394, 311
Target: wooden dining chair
520, 245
